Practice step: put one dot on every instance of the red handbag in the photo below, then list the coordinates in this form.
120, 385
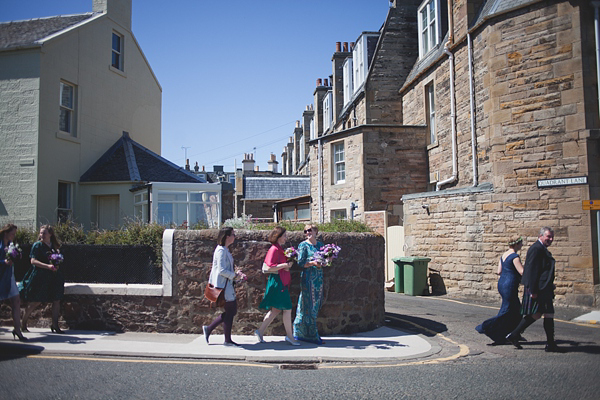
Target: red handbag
215, 295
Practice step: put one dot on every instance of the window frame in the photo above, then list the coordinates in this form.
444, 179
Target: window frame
432, 33
67, 208
327, 111
333, 214
120, 65
339, 165
70, 110
430, 113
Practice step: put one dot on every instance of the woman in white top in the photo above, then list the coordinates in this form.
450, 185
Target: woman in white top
222, 275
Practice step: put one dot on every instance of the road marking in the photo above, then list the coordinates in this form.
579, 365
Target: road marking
155, 361
590, 324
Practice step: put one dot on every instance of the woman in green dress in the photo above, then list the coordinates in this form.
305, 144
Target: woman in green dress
44, 282
277, 294
311, 296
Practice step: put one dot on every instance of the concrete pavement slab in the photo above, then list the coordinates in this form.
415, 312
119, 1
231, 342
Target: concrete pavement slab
591, 317
379, 345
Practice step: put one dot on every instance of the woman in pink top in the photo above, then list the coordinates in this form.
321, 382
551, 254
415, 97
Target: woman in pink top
277, 294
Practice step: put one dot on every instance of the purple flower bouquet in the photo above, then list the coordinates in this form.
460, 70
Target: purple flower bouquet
55, 258
291, 254
327, 254
13, 252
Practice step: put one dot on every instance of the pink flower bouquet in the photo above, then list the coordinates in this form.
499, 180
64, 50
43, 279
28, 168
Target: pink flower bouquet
291, 254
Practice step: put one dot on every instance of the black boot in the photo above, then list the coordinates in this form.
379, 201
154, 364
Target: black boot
551, 346
513, 337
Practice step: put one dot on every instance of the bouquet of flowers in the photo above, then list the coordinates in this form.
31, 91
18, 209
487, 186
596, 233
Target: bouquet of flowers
13, 252
291, 254
327, 254
241, 277
55, 258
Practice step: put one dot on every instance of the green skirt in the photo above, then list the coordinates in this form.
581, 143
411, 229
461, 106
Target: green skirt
276, 295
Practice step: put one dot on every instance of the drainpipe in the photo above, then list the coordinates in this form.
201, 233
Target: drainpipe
472, 101
320, 179
454, 176
596, 5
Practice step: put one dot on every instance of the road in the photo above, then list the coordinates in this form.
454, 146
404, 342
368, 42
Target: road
463, 367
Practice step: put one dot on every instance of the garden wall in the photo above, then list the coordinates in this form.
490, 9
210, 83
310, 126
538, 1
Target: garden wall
353, 289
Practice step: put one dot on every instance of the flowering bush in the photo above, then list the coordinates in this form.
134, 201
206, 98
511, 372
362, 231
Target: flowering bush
327, 254
13, 252
291, 254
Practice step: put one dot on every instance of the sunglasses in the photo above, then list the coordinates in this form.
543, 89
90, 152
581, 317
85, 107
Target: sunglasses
307, 230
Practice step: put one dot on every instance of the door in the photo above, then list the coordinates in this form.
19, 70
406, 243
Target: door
107, 212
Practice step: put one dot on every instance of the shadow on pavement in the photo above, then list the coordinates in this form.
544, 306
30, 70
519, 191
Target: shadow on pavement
414, 324
351, 344
18, 350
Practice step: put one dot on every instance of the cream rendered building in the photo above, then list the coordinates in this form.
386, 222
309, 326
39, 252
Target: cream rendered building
69, 87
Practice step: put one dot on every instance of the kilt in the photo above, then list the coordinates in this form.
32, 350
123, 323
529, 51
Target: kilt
541, 304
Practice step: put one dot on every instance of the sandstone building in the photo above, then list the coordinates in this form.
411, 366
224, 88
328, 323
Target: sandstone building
469, 122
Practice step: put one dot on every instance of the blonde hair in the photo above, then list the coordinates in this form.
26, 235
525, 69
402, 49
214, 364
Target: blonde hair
314, 227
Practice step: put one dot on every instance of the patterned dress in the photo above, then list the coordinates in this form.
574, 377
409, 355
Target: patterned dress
8, 286
40, 284
311, 297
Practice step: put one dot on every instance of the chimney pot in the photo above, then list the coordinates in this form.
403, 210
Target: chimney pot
326, 82
338, 47
319, 82
351, 46
345, 46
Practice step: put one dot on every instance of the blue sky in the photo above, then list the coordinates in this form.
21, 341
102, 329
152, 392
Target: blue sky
235, 75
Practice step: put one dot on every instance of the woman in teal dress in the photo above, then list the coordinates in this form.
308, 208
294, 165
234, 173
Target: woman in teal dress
311, 297
44, 282
277, 294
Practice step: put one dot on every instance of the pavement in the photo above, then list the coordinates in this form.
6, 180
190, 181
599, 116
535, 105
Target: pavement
382, 345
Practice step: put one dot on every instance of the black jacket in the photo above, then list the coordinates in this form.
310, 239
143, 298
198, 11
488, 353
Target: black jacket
538, 274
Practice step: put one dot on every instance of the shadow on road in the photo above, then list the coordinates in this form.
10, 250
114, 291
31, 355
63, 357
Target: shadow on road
420, 325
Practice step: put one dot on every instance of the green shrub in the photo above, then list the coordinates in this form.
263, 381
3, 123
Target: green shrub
337, 225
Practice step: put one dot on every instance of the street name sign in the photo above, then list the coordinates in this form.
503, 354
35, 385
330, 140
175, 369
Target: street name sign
590, 204
579, 180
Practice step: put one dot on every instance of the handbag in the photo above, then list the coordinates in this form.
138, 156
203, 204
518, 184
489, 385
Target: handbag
215, 295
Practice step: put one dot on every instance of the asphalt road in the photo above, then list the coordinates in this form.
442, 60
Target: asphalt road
478, 372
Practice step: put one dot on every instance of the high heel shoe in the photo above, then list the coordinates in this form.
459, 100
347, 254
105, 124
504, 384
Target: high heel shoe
18, 335
56, 329
292, 342
24, 328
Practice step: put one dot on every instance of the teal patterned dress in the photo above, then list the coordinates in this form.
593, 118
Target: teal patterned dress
311, 297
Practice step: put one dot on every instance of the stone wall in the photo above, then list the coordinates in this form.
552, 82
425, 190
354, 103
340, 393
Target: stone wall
531, 124
353, 298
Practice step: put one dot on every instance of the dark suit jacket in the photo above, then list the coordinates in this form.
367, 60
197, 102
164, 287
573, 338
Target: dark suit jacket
538, 274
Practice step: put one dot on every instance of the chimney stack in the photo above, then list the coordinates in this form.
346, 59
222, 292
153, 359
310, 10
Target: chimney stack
272, 164
248, 162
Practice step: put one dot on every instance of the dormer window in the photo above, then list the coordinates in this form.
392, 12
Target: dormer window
327, 111
117, 51
429, 26
348, 86
361, 57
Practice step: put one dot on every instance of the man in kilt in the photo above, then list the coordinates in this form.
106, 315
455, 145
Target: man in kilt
538, 279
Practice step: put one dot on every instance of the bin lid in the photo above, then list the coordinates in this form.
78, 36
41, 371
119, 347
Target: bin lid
410, 259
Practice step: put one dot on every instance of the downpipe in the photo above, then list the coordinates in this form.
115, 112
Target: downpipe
454, 176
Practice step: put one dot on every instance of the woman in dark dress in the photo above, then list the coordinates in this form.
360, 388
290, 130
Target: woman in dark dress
510, 270
44, 282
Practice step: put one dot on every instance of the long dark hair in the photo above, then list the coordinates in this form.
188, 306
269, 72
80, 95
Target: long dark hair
53, 239
276, 233
5, 229
224, 233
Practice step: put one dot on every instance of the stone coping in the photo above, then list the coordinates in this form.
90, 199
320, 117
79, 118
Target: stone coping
484, 187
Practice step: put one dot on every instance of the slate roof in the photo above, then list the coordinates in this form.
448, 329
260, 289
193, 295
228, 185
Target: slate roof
31, 32
128, 161
275, 187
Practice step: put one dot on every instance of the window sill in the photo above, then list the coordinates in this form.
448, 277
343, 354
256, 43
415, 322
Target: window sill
432, 146
68, 137
117, 71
